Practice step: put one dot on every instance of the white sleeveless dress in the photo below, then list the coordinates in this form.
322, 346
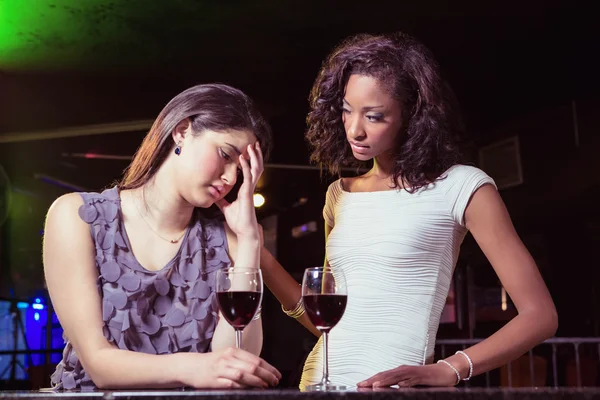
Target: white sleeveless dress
398, 251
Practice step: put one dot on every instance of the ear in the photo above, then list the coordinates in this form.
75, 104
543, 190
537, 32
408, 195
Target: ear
181, 130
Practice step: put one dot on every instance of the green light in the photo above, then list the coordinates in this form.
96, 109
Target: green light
58, 34
34, 32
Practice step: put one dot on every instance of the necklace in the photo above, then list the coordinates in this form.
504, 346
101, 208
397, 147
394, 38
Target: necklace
172, 241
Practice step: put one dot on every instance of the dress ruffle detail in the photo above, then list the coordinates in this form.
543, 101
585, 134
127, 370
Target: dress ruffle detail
156, 312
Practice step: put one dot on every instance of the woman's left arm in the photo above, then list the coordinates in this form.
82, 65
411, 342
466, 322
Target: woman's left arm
489, 222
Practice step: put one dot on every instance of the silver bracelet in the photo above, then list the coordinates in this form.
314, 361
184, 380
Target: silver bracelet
465, 355
453, 369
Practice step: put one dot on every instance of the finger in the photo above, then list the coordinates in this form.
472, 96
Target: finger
386, 381
391, 377
369, 382
260, 154
254, 369
410, 382
246, 173
228, 383
259, 157
249, 357
256, 167
243, 378
253, 161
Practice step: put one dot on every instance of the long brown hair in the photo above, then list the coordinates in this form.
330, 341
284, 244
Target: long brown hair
432, 124
214, 107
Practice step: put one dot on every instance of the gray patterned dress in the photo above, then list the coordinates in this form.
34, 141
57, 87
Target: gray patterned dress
170, 310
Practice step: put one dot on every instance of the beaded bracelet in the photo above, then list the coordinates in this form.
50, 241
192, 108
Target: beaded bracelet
465, 355
453, 369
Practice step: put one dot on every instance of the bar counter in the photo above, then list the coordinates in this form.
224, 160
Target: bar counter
274, 394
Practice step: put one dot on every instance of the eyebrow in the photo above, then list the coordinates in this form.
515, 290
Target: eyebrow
365, 108
234, 148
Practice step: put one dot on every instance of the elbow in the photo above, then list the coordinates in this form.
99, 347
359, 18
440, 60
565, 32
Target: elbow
552, 324
547, 322
97, 370
550, 320
100, 380
104, 381
101, 383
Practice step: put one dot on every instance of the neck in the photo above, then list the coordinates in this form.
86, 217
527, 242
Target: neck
383, 166
158, 200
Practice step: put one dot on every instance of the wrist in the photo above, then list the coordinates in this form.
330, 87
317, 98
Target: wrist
180, 368
460, 363
252, 239
248, 253
451, 375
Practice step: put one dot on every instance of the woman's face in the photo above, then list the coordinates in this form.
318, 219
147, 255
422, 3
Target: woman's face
372, 118
209, 163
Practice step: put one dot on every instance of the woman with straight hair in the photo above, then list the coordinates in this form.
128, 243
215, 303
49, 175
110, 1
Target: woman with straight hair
131, 271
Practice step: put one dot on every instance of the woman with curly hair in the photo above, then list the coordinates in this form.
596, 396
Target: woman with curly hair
396, 231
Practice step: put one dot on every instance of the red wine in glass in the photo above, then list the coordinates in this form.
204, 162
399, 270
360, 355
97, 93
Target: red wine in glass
325, 310
239, 293
239, 308
325, 296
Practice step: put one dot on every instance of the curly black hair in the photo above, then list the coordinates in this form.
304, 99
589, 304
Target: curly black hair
432, 125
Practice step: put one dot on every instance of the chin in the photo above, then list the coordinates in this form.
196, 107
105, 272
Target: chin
362, 157
204, 204
200, 201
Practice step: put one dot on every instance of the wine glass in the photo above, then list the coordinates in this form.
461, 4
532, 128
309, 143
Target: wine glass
239, 294
325, 296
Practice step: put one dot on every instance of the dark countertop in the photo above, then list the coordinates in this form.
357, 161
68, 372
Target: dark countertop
380, 394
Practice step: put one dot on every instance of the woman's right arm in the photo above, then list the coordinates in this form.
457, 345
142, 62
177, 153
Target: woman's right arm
283, 286
71, 275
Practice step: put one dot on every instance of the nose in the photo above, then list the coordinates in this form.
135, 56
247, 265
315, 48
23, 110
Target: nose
229, 176
354, 127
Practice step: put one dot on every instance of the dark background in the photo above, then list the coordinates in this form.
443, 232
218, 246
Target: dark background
519, 68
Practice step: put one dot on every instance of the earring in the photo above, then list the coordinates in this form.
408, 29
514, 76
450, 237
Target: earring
178, 148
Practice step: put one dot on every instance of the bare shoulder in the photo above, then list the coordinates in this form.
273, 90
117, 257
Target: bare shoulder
63, 217
64, 228
65, 205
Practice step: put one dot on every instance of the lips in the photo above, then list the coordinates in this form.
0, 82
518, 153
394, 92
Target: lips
359, 148
214, 191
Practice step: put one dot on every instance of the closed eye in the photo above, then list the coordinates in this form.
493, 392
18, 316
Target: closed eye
228, 158
225, 155
375, 118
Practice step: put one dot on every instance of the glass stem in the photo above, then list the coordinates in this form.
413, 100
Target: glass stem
325, 380
238, 338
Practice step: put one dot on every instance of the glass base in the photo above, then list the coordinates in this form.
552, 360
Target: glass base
319, 387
